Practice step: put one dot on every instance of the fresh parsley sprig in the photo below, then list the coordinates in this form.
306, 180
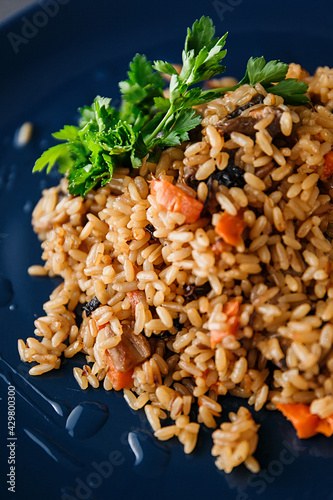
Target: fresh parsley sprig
139, 91
89, 155
147, 121
272, 76
202, 56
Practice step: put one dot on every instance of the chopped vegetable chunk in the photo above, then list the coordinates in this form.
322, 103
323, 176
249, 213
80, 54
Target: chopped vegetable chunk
174, 199
119, 380
302, 419
230, 228
231, 309
328, 166
306, 423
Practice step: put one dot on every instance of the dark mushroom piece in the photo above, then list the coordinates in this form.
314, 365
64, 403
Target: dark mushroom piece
130, 352
90, 306
193, 292
257, 99
188, 176
244, 124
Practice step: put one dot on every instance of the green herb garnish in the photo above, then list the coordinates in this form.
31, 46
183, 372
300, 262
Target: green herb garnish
147, 122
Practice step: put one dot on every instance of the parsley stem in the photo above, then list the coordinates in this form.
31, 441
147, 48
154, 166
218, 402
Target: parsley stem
170, 112
159, 126
215, 93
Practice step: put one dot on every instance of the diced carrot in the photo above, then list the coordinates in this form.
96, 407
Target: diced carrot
174, 199
118, 379
233, 323
327, 427
217, 336
330, 420
324, 427
230, 228
135, 296
302, 419
328, 166
215, 388
100, 327
231, 309
305, 423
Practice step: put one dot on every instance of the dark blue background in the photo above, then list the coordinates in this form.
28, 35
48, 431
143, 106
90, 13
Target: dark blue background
79, 49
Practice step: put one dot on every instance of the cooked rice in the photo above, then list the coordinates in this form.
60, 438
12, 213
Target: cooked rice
281, 273
235, 442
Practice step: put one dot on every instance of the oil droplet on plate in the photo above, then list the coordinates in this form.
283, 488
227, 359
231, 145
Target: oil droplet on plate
32, 395
86, 419
27, 207
151, 457
54, 450
6, 291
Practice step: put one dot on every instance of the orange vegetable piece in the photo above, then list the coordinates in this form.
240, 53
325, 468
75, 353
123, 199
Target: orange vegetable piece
217, 336
100, 327
233, 323
118, 379
302, 419
230, 228
174, 199
135, 297
328, 166
324, 427
330, 420
231, 309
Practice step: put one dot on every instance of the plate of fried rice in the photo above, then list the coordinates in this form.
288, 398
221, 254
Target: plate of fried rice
167, 298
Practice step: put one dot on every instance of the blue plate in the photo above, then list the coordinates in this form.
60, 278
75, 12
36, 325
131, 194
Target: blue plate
71, 444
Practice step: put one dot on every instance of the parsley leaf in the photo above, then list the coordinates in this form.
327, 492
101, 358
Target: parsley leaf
165, 67
272, 76
292, 91
139, 90
202, 35
68, 133
176, 134
50, 157
91, 151
260, 71
202, 54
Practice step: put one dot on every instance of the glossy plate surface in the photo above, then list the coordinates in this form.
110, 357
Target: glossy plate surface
71, 444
